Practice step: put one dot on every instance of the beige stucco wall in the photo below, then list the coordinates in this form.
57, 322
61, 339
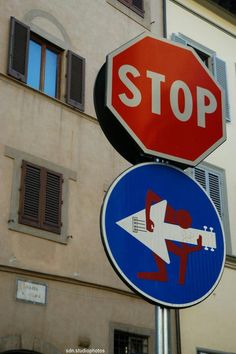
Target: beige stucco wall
47, 129
211, 324
72, 312
51, 130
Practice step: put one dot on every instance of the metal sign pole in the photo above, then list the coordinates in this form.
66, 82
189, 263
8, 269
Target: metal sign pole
162, 330
166, 330
159, 330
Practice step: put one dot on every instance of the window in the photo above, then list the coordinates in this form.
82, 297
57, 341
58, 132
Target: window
216, 65
135, 5
40, 198
128, 343
44, 63
37, 62
213, 180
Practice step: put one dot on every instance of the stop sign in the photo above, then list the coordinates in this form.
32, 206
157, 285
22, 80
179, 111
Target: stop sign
166, 99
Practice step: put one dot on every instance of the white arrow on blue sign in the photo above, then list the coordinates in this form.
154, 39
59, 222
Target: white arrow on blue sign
163, 235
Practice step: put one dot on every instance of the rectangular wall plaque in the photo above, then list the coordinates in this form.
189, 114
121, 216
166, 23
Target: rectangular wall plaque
31, 291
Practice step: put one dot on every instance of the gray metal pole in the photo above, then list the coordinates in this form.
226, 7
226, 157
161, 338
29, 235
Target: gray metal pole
162, 330
166, 330
159, 330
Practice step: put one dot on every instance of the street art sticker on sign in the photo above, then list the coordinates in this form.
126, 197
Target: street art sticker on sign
163, 235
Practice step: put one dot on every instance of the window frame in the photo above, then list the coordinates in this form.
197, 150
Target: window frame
68, 175
130, 5
130, 338
132, 331
145, 20
45, 44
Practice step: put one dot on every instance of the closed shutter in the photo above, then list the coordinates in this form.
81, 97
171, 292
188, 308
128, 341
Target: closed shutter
29, 211
18, 50
219, 67
214, 191
210, 181
52, 201
40, 198
75, 80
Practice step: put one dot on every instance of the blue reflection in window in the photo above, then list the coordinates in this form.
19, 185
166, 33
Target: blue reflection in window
50, 80
34, 65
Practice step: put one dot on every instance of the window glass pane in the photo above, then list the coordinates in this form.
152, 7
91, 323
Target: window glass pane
34, 64
50, 80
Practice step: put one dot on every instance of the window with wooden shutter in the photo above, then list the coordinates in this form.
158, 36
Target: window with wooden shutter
34, 60
18, 50
37, 62
135, 5
40, 198
75, 80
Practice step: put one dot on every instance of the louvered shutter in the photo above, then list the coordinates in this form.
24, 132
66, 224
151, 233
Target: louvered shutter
219, 67
40, 198
29, 211
51, 217
210, 181
200, 176
18, 50
215, 191
75, 80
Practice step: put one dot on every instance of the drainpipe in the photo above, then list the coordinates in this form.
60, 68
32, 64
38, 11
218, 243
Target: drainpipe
164, 18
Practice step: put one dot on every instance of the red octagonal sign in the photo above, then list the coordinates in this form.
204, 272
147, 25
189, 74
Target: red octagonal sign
166, 99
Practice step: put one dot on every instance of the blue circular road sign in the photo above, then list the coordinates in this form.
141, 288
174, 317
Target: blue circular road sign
163, 235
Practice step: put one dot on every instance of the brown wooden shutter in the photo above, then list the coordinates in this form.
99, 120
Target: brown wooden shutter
75, 80
18, 50
52, 201
40, 198
29, 211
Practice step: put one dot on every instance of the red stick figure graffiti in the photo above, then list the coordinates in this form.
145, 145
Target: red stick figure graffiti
183, 219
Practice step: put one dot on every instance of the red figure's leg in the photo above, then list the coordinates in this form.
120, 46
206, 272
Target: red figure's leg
160, 275
183, 253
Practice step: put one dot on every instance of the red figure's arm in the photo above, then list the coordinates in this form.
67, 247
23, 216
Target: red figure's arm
150, 198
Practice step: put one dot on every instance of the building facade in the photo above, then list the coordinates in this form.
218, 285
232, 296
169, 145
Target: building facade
58, 290
209, 28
